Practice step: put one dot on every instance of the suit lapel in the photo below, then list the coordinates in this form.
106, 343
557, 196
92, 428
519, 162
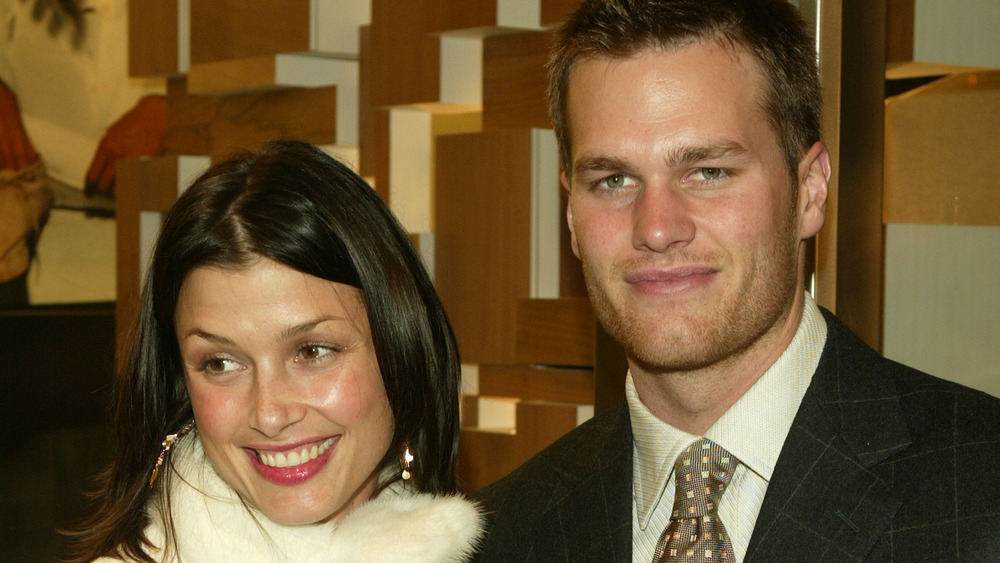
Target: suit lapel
826, 499
590, 511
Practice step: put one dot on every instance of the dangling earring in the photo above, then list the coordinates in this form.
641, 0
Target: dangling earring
407, 458
168, 443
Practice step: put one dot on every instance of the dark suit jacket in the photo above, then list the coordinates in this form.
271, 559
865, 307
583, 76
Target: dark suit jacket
882, 463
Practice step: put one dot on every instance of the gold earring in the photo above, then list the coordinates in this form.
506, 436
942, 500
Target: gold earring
407, 458
168, 443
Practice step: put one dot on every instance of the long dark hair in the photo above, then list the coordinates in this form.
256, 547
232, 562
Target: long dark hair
293, 204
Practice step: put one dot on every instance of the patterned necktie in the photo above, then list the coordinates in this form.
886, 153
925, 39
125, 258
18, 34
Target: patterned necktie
695, 532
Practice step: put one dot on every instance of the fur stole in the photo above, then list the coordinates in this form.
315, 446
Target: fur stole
213, 524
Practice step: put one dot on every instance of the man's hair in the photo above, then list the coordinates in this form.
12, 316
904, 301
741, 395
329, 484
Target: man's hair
771, 31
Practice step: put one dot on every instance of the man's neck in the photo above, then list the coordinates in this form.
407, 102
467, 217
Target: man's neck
694, 400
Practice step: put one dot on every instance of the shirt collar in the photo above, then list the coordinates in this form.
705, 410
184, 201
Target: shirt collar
753, 429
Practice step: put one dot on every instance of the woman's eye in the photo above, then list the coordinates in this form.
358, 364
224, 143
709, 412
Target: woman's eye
313, 352
220, 365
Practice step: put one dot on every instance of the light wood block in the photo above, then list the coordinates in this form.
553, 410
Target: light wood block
555, 331
411, 178
537, 383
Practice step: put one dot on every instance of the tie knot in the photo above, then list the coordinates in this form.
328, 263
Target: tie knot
702, 473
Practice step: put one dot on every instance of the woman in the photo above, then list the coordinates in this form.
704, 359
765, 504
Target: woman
292, 389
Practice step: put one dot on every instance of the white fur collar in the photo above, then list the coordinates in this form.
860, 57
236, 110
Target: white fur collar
213, 524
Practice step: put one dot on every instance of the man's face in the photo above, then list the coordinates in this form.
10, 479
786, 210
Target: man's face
681, 207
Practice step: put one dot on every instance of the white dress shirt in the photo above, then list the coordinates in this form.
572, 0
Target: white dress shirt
753, 429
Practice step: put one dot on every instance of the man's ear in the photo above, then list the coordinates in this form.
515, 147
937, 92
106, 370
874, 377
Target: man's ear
564, 180
814, 182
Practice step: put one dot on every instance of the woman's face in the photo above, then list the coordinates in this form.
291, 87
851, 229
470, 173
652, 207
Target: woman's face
285, 386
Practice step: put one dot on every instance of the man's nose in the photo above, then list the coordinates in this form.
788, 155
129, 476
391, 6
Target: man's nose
661, 219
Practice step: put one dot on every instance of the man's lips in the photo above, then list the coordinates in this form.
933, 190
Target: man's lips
669, 280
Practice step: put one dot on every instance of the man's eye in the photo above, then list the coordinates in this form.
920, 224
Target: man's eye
710, 174
616, 181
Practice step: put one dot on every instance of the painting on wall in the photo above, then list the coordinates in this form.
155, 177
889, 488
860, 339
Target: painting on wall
68, 111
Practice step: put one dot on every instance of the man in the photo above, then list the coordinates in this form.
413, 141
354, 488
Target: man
689, 132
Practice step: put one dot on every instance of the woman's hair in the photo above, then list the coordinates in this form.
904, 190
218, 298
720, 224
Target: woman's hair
295, 205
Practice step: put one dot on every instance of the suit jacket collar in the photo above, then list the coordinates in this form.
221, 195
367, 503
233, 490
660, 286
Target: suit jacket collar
824, 498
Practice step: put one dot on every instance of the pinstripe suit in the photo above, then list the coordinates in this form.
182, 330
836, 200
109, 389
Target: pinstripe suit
882, 463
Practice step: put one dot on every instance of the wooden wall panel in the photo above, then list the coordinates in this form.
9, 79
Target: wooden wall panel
216, 125
153, 37
555, 11
514, 80
221, 77
485, 456
539, 423
189, 119
555, 331
945, 178
378, 159
404, 64
232, 29
141, 184
567, 385
483, 233
899, 18
405, 55
366, 112
571, 282
247, 121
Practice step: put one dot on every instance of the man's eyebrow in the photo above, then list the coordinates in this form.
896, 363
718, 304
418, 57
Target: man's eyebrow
601, 164
686, 155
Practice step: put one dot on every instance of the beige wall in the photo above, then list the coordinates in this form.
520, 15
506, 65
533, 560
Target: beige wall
961, 32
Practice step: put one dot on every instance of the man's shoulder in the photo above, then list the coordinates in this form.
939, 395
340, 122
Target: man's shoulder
926, 400
573, 456
574, 494
916, 390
